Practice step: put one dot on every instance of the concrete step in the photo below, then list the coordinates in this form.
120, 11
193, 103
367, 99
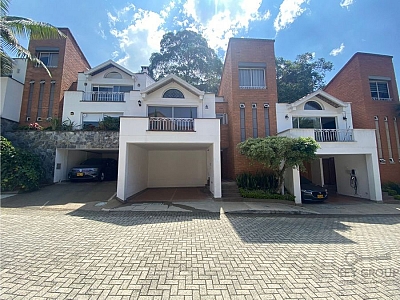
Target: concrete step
230, 191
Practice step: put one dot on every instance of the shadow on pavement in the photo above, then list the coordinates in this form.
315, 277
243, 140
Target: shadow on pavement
308, 229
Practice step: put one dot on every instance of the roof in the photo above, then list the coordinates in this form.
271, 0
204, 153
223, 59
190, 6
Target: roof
106, 65
324, 96
168, 79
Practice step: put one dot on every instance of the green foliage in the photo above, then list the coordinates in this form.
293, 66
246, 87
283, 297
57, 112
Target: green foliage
20, 169
397, 197
14, 27
109, 123
391, 187
279, 153
187, 55
258, 181
261, 194
296, 79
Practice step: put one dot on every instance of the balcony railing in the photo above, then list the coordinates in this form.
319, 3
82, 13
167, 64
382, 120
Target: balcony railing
334, 135
171, 124
103, 97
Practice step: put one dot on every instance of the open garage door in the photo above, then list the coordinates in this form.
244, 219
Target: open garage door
68, 158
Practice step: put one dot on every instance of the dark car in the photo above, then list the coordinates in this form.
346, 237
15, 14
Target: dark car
95, 169
311, 191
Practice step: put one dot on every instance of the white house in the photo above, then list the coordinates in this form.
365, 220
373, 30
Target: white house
11, 91
344, 152
169, 134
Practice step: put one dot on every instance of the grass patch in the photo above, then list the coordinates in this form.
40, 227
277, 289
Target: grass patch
261, 194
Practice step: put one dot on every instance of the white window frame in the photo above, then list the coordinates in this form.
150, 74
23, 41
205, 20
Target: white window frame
50, 54
377, 82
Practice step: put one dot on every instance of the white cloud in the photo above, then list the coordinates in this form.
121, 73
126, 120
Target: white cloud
288, 12
337, 51
139, 31
346, 3
139, 37
223, 21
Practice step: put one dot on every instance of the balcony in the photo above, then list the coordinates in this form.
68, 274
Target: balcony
171, 124
334, 135
103, 97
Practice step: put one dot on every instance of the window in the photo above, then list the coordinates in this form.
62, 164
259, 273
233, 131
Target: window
172, 112
379, 90
312, 105
252, 78
50, 59
242, 123
173, 93
307, 122
223, 118
92, 120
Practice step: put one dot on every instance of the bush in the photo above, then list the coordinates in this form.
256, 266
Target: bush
397, 197
259, 181
261, 194
391, 188
20, 169
109, 123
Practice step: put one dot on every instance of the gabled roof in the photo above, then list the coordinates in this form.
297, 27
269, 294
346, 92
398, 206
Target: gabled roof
168, 79
106, 65
321, 95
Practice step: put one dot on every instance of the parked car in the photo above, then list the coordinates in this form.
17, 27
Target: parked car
311, 191
95, 169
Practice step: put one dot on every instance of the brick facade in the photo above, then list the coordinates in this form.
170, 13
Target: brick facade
246, 51
351, 84
71, 61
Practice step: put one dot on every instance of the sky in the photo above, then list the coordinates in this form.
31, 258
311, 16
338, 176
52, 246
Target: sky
128, 32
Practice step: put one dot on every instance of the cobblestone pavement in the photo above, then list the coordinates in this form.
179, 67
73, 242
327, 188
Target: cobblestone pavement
131, 255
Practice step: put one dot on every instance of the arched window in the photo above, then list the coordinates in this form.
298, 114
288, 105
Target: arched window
114, 75
173, 93
312, 105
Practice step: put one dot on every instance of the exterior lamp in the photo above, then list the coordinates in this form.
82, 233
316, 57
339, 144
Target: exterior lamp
139, 102
287, 117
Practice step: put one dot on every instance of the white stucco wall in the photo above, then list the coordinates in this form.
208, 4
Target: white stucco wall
11, 98
132, 170
177, 168
343, 166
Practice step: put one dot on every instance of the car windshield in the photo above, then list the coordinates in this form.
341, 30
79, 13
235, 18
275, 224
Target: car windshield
93, 161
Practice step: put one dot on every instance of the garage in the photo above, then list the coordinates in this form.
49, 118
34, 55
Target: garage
68, 158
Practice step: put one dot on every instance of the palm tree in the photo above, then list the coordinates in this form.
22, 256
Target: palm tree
12, 27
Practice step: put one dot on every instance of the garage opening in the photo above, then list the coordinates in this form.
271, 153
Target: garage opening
69, 158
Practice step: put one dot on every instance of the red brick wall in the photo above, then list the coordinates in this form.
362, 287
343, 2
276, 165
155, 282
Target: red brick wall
351, 84
70, 62
248, 51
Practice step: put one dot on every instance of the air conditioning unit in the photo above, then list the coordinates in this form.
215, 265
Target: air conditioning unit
266, 105
376, 118
242, 105
38, 119
391, 160
254, 105
382, 161
28, 119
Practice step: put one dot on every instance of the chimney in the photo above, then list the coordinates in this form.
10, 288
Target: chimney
145, 69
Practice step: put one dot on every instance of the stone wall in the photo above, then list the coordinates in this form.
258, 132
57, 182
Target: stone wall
44, 143
7, 125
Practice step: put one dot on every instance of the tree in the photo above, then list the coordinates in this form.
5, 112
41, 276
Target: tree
12, 27
278, 153
187, 55
296, 79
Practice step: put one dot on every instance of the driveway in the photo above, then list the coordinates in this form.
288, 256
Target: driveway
51, 254
64, 195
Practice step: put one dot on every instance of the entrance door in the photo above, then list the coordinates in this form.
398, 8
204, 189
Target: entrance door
328, 165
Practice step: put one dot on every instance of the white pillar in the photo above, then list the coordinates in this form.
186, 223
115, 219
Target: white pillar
216, 178
374, 179
296, 185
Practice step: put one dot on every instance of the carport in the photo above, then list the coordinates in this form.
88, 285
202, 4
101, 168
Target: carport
165, 171
66, 158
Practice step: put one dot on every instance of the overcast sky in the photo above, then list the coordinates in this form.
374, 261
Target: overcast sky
129, 31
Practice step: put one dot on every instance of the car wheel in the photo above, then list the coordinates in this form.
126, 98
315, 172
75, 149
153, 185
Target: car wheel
102, 176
